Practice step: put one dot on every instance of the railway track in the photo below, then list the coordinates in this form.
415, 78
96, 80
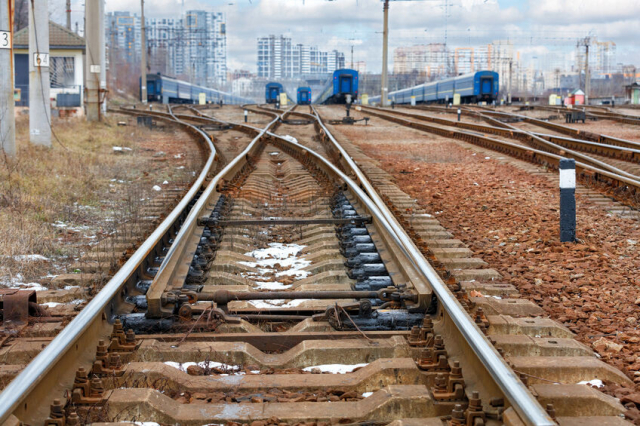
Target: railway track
291, 285
612, 168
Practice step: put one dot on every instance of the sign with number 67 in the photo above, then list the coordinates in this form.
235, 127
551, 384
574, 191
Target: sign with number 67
5, 39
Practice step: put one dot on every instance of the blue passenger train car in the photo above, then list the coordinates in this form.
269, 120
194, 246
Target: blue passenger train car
272, 92
169, 90
481, 86
344, 82
304, 96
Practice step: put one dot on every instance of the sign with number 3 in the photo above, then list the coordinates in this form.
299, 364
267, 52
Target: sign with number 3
5, 40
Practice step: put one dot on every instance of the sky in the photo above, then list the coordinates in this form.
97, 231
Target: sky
542, 30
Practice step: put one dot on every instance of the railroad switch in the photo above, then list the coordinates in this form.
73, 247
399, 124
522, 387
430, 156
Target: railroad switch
121, 341
449, 386
107, 363
85, 391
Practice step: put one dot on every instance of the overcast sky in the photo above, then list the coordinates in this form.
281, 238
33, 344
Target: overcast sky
542, 29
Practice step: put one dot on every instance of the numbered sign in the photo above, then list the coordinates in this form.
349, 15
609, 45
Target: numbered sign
40, 59
5, 40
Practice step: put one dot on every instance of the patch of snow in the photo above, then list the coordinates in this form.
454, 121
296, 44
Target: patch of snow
290, 138
179, 168
204, 364
285, 255
595, 383
165, 182
336, 368
156, 188
28, 286
28, 258
487, 158
71, 287
51, 304
178, 156
277, 303
274, 153
121, 148
367, 394
273, 285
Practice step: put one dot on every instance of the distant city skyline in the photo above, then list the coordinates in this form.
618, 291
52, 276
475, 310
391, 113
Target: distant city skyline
538, 28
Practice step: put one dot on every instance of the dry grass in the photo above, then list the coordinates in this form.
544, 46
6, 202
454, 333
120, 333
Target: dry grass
57, 201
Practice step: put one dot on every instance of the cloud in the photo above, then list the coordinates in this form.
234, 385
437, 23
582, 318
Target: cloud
342, 23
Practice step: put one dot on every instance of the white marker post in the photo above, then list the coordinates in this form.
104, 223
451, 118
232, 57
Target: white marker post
246, 115
567, 200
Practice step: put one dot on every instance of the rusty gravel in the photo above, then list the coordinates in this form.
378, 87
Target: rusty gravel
510, 219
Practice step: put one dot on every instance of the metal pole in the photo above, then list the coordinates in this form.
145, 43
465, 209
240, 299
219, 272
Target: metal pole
352, 56
587, 77
94, 65
143, 56
7, 115
103, 62
385, 42
69, 15
510, 80
39, 86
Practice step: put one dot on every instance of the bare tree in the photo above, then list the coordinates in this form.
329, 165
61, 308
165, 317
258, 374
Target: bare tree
21, 15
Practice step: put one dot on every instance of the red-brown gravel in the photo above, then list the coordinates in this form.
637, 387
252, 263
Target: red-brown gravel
509, 218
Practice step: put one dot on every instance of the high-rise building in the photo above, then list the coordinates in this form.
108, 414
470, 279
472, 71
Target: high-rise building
121, 36
275, 57
194, 46
429, 60
278, 58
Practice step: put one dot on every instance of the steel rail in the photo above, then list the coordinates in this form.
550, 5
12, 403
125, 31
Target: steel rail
168, 268
24, 383
589, 163
524, 403
527, 407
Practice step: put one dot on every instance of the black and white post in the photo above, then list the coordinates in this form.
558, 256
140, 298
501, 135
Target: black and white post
246, 115
567, 200
459, 113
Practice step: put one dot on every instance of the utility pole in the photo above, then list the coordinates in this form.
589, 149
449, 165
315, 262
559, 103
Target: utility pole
69, 15
7, 114
510, 81
587, 77
385, 45
352, 56
39, 85
103, 61
94, 33
143, 56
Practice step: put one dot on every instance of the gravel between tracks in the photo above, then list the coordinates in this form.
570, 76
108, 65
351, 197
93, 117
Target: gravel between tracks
509, 218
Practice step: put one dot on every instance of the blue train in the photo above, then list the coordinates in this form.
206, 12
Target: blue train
481, 86
304, 96
343, 83
272, 92
168, 90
